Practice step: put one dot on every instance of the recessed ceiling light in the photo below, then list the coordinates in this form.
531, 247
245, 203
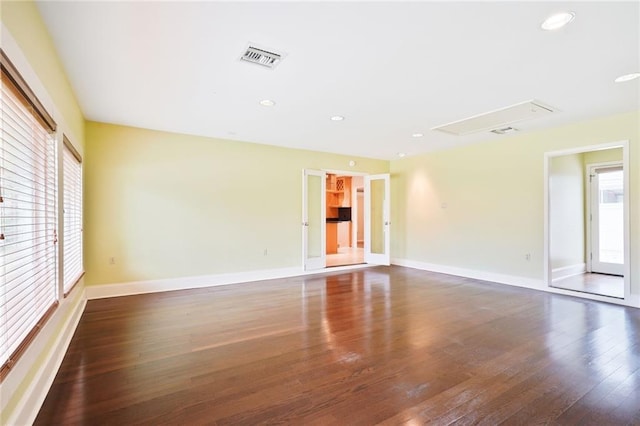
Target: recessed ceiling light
337, 118
401, 154
417, 135
557, 21
627, 77
267, 102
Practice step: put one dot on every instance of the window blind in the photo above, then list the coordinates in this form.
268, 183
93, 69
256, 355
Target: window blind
28, 292
72, 268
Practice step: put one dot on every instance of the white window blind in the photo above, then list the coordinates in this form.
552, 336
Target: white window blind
28, 289
72, 243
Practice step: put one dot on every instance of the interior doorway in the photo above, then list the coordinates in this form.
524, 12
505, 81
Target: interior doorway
587, 220
344, 218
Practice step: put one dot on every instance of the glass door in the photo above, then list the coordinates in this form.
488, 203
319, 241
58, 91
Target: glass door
377, 220
607, 219
313, 220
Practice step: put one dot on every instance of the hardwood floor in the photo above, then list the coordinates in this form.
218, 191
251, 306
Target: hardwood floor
386, 345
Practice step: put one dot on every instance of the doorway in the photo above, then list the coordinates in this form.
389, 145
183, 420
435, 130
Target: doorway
586, 220
345, 219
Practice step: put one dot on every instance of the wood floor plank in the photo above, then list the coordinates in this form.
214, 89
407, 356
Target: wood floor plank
384, 345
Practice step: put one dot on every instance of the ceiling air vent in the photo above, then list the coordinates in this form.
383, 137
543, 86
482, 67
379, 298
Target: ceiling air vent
499, 119
504, 130
261, 57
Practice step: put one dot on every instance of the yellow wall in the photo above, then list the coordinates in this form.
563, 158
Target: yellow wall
493, 193
165, 205
602, 156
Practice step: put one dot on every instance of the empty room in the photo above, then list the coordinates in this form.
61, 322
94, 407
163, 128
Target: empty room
327, 213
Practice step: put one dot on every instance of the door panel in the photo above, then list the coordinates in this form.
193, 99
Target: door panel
607, 220
313, 220
377, 221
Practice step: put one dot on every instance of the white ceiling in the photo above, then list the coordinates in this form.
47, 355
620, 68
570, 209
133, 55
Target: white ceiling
390, 68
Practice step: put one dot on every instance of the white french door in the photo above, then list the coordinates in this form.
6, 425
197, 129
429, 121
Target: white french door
313, 220
607, 218
377, 221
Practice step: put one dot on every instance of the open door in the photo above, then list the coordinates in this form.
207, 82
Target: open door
313, 220
377, 237
607, 219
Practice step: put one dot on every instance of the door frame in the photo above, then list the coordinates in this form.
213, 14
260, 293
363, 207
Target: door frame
589, 206
624, 144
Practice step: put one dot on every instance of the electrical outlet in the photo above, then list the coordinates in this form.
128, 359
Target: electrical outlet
266, 252
527, 257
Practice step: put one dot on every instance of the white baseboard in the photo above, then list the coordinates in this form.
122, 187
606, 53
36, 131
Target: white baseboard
33, 397
471, 273
170, 284
568, 271
633, 300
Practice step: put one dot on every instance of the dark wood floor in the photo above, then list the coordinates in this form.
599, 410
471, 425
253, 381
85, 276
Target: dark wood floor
383, 345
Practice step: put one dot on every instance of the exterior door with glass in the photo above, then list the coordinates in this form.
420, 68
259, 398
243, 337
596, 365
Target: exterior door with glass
607, 219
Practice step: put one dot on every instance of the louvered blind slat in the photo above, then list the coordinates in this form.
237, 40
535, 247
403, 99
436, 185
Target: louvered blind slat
72, 243
28, 221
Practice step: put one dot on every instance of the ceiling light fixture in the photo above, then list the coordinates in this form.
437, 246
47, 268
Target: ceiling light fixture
267, 102
627, 77
337, 118
557, 21
417, 135
402, 154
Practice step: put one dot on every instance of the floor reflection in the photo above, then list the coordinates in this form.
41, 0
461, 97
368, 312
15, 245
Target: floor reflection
354, 312
596, 340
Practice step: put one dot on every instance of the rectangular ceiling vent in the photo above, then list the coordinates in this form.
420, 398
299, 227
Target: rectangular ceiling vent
498, 119
504, 130
262, 57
